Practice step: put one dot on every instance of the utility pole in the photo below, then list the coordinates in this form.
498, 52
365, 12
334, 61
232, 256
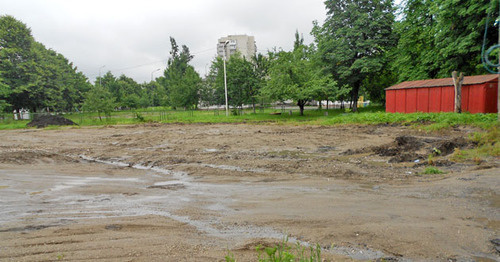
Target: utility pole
100, 85
225, 78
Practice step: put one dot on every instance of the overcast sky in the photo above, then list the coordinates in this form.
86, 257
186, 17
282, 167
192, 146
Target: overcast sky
132, 37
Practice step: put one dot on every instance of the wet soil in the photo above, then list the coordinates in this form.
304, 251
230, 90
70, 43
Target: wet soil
196, 192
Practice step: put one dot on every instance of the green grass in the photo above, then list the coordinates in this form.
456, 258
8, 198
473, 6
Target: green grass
432, 171
366, 115
284, 252
488, 144
6, 124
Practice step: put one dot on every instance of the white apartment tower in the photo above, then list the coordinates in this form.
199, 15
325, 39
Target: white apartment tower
243, 44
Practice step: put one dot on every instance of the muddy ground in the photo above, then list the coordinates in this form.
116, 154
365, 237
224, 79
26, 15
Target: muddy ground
196, 192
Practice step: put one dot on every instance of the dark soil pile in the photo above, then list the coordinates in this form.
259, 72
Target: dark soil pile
410, 148
49, 120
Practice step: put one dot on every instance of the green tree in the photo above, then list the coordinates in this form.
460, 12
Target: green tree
353, 39
99, 100
33, 76
215, 83
15, 60
293, 75
109, 82
441, 36
245, 78
180, 79
261, 65
241, 81
155, 93
207, 92
131, 94
4, 94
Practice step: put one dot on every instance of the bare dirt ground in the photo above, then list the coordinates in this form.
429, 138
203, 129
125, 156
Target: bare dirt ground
196, 192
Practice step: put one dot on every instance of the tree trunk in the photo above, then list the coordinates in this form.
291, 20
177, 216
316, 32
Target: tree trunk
355, 93
457, 82
327, 103
253, 105
301, 104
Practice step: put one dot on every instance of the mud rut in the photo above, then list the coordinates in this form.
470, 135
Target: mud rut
192, 192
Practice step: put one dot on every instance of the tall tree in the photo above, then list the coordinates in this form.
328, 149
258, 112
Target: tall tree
4, 94
261, 69
242, 83
293, 75
99, 100
132, 94
213, 90
15, 60
353, 39
180, 79
34, 77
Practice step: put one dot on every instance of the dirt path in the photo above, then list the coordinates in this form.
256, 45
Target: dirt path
193, 192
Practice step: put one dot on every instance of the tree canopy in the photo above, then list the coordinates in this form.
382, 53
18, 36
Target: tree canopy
353, 39
440, 36
34, 77
294, 75
180, 79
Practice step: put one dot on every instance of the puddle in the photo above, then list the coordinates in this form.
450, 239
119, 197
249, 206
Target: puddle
235, 168
163, 198
167, 183
219, 194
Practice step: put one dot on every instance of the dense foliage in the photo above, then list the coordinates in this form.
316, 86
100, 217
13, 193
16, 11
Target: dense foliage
34, 77
353, 39
439, 36
180, 80
245, 78
295, 75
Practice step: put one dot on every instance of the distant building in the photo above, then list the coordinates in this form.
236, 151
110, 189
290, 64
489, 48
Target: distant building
243, 44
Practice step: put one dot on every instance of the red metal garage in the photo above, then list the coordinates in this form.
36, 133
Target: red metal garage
479, 95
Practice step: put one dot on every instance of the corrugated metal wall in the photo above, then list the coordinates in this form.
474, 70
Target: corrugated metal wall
478, 98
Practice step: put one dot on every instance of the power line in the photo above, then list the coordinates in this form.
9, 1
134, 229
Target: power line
203, 51
137, 66
159, 61
152, 63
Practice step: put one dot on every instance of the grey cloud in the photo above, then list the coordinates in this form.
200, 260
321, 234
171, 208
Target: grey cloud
124, 34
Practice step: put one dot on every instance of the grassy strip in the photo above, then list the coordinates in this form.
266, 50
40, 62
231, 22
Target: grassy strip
368, 115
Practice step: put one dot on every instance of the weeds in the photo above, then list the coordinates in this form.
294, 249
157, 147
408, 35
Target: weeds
487, 145
432, 171
229, 257
139, 117
285, 253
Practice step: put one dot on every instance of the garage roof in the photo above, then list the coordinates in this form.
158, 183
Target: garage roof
468, 80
